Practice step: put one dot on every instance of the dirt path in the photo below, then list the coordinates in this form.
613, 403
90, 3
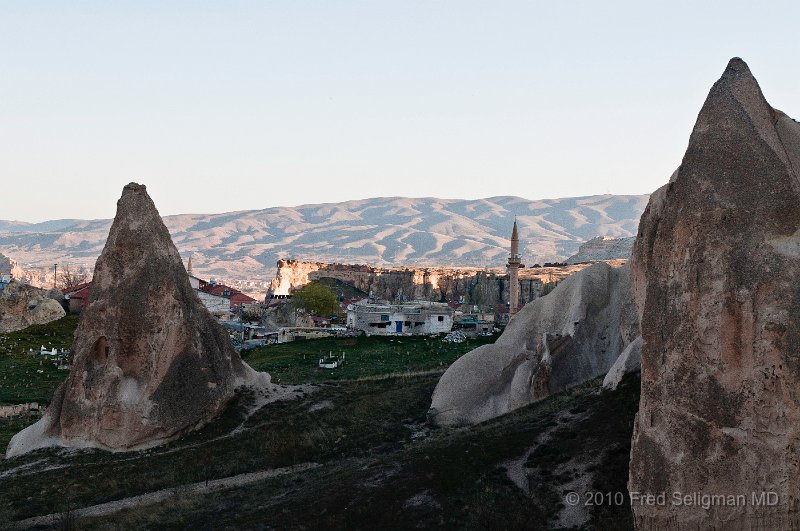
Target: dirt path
158, 496
515, 468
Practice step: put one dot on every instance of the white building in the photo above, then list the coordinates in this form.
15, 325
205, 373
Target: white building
218, 306
413, 318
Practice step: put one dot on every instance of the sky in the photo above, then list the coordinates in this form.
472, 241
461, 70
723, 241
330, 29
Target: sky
223, 106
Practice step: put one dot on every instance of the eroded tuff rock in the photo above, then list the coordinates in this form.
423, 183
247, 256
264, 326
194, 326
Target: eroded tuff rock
149, 361
418, 283
717, 264
629, 362
22, 306
567, 337
602, 248
9, 267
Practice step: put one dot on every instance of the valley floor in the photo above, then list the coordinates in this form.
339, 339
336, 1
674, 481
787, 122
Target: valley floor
355, 453
366, 460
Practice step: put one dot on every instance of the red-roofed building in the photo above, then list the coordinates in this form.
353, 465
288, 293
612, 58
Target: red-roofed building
73, 289
220, 290
78, 297
239, 300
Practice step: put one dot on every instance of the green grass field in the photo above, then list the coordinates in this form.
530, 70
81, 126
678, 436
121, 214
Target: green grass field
20, 379
365, 357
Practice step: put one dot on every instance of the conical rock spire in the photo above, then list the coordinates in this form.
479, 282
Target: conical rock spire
716, 264
149, 361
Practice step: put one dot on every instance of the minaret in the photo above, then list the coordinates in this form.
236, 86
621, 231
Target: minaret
189, 266
513, 267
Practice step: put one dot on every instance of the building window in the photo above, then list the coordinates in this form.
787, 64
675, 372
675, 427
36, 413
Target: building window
384, 317
441, 318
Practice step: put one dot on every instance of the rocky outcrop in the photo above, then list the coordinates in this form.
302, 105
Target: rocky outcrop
418, 283
9, 267
718, 258
571, 335
149, 361
603, 248
22, 306
629, 362
389, 283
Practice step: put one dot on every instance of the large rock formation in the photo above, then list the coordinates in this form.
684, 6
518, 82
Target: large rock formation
389, 283
9, 267
571, 335
629, 362
22, 305
149, 361
717, 265
417, 283
603, 248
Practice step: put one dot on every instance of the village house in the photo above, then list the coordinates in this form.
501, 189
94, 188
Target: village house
196, 283
219, 307
77, 297
213, 292
220, 300
413, 318
473, 325
241, 302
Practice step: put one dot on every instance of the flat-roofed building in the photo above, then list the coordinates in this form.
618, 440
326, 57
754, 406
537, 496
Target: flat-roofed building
412, 318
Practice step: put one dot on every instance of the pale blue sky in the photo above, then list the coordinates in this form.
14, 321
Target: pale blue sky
221, 106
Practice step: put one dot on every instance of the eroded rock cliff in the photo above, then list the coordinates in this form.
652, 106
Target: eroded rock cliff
717, 263
419, 283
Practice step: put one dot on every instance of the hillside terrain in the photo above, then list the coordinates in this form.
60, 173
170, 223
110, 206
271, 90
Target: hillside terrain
341, 457
355, 447
380, 231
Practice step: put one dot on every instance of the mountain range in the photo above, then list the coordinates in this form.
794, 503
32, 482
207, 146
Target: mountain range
391, 231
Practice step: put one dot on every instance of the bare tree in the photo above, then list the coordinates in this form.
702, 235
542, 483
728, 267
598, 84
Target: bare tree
69, 277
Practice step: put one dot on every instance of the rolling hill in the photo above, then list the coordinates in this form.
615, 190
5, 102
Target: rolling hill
380, 231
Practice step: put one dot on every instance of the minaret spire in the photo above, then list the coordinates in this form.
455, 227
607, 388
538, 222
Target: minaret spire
513, 267
514, 239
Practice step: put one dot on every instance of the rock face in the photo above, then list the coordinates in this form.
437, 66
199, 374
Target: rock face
418, 283
718, 251
571, 335
629, 362
10, 267
22, 305
389, 283
603, 248
149, 361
